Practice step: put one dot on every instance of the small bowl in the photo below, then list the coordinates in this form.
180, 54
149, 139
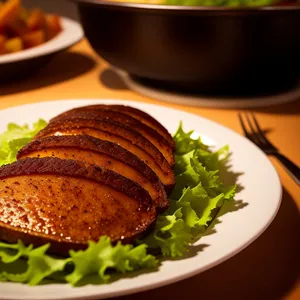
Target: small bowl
210, 49
20, 64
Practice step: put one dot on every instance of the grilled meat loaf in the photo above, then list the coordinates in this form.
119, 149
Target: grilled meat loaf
133, 112
101, 114
102, 153
116, 133
67, 203
93, 171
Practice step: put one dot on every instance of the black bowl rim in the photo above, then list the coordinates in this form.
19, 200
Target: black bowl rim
159, 7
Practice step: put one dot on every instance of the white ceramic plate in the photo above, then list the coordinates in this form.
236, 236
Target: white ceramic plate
71, 34
261, 191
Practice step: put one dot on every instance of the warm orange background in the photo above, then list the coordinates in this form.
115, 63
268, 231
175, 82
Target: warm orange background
269, 268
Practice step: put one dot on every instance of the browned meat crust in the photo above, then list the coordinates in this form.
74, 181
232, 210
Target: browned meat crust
101, 114
102, 153
67, 203
116, 133
136, 114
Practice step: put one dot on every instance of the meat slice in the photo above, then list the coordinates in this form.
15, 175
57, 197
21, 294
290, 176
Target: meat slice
153, 136
102, 153
133, 112
127, 139
68, 203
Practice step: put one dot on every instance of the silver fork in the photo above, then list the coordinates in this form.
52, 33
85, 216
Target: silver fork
256, 135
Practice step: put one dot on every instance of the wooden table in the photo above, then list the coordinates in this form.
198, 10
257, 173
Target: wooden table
269, 268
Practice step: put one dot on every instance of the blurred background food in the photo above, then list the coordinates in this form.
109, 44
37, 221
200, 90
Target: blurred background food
22, 28
63, 7
215, 50
231, 3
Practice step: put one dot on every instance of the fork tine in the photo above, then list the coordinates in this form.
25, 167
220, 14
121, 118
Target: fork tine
262, 135
254, 134
243, 126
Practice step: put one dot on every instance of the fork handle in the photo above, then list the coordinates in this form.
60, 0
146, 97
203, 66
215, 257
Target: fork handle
290, 167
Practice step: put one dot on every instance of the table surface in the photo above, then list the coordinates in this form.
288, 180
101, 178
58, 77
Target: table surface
268, 268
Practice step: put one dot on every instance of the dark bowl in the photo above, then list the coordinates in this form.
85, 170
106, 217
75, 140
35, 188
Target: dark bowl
197, 48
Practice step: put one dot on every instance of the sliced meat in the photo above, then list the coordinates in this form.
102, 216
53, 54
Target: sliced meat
133, 112
112, 127
67, 203
153, 136
109, 131
102, 153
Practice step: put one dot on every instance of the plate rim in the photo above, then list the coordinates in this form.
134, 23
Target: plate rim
61, 42
173, 279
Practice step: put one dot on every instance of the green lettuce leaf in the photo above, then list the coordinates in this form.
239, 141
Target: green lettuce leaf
95, 260
38, 264
15, 137
198, 192
171, 235
9, 253
102, 256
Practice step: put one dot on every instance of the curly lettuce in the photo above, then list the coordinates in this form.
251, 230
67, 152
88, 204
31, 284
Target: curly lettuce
97, 259
15, 137
198, 192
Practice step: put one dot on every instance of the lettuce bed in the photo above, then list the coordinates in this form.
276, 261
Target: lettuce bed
198, 192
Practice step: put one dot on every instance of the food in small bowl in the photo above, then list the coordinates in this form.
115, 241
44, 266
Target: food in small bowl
212, 49
21, 28
29, 39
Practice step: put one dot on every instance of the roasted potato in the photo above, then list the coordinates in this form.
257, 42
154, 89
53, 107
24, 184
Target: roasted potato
22, 28
14, 45
33, 39
53, 26
36, 20
2, 44
9, 11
